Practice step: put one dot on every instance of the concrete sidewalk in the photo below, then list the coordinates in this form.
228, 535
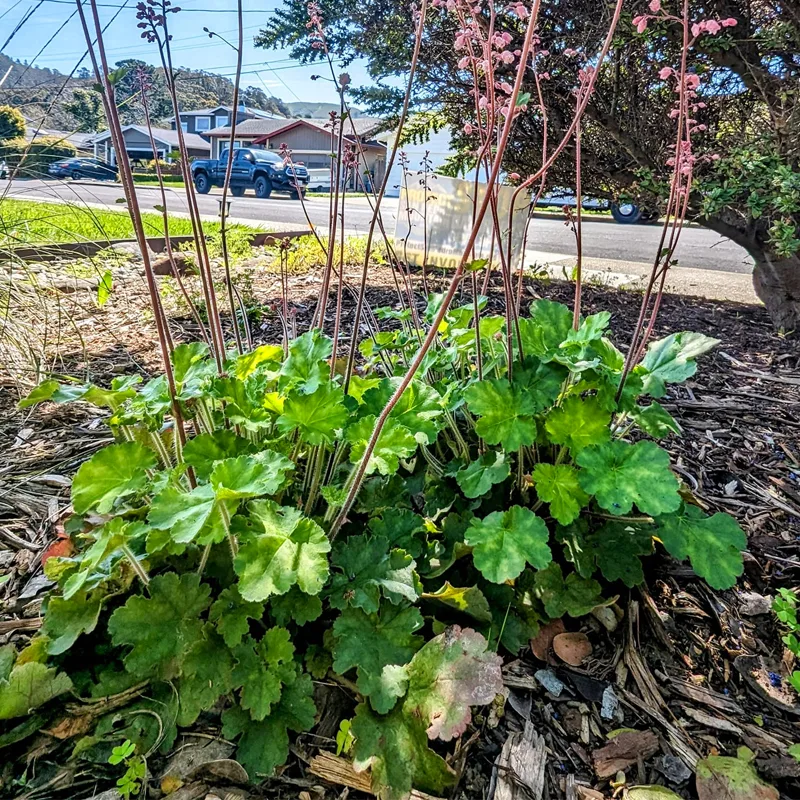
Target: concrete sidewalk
707, 283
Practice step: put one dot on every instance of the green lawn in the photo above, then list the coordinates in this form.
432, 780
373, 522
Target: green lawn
30, 222
152, 180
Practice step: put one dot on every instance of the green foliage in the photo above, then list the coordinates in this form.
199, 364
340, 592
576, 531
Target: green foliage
12, 123
785, 608
212, 574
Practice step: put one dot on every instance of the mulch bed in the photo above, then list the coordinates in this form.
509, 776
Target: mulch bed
687, 657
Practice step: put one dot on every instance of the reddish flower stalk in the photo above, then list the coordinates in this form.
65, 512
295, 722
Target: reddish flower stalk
109, 105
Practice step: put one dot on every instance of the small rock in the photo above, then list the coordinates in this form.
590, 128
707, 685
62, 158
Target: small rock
184, 263
753, 604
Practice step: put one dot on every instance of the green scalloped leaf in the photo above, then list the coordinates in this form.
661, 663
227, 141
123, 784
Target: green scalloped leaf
29, 686
578, 423
395, 749
112, 473
712, 544
231, 614
306, 367
263, 746
505, 413
548, 326
316, 416
207, 675
295, 606
244, 477
478, 477
619, 474
372, 642
279, 549
655, 420
575, 596
618, 549
504, 541
262, 668
419, 408
203, 451
160, 629
188, 516
558, 485
66, 620
402, 528
672, 360
366, 568
394, 442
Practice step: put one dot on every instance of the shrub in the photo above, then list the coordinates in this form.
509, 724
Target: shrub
211, 571
12, 123
33, 158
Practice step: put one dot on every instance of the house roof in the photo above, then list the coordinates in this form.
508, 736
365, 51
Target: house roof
82, 141
162, 136
251, 127
207, 112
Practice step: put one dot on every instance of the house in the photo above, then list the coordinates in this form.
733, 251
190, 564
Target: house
83, 142
139, 148
203, 120
311, 141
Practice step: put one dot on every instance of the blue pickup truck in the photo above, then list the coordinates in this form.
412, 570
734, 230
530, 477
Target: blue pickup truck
260, 170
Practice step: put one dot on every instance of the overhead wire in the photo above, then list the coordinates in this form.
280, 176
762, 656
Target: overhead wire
25, 17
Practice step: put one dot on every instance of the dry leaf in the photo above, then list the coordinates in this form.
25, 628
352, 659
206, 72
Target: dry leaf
540, 644
574, 648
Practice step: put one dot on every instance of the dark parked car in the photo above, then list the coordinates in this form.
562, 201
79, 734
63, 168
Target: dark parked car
77, 168
3, 169
261, 170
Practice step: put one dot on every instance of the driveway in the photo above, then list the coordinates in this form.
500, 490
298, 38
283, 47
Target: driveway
549, 238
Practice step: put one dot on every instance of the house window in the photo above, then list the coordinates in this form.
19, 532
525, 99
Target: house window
221, 120
202, 123
184, 126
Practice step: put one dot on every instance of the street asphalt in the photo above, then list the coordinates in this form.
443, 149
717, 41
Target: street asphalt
549, 238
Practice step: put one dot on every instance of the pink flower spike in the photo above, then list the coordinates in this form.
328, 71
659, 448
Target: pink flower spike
665, 73
696, 30
569, 52
641, 26
729, 23
655, 6
514, 176
468, 129
713, 27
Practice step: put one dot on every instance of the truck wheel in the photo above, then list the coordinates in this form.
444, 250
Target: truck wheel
263, 187
237, 191
626, 213
297, 195
202, 183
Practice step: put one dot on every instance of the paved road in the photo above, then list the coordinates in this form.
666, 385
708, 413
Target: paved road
699, 248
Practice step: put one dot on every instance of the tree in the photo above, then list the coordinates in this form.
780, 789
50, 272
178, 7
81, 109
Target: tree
747, 174
86, 107
257, 98
12, 123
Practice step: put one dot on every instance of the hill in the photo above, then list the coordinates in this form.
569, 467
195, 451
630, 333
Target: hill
318, 110
45, 96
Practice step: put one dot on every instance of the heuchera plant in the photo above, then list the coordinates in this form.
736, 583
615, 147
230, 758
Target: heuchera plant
205, 577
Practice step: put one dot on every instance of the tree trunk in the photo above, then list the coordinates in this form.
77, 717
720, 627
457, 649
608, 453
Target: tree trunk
777, 283
776, 279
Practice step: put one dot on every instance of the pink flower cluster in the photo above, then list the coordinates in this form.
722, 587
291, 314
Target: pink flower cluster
316, 32
710, 26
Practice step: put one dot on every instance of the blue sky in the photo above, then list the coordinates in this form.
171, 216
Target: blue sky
272, 70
